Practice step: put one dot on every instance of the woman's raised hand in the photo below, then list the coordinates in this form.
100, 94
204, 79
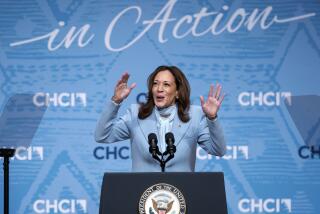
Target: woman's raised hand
211, 106
122, 90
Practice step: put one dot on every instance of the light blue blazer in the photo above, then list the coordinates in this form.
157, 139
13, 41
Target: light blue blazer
198, 130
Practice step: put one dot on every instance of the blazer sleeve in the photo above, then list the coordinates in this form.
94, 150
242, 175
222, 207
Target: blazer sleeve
210, 136
111, 129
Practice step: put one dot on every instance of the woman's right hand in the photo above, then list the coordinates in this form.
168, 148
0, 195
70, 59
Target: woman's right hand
122, 90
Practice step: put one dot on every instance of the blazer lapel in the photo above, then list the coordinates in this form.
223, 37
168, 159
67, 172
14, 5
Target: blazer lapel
148, 125
179, 129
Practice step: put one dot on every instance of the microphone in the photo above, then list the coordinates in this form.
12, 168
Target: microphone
171, 148
153, 141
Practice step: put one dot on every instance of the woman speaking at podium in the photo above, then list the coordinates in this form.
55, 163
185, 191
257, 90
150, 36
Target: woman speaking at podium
167, 110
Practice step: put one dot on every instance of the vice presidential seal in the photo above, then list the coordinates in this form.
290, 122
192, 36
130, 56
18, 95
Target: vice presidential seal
162, 199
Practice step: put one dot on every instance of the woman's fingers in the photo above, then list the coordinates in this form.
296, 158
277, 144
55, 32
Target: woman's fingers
125, 77
201, 100
211, 90
118, 82
133, 85
221, 98
218, 91
123, 80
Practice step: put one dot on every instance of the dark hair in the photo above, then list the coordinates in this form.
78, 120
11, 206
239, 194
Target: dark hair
183, 89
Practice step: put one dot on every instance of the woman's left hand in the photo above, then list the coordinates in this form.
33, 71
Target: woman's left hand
211, 106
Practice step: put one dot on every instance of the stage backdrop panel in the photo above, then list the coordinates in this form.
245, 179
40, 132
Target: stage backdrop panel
69, 55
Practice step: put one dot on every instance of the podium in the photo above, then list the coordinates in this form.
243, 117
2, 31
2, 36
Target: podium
126, 192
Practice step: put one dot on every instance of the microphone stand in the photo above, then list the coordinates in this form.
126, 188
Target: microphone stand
156, 154
162, 164
168, 158
6, 154
162, 161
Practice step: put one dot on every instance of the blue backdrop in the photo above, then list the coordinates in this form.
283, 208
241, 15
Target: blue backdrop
70, 53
